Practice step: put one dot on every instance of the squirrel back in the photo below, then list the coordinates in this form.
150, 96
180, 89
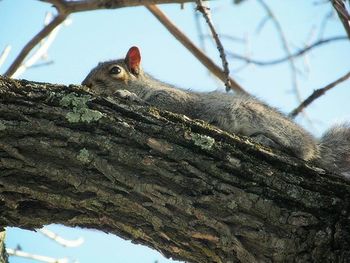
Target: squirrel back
239, 113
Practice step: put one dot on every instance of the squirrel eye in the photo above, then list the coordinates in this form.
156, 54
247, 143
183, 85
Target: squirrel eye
115, 70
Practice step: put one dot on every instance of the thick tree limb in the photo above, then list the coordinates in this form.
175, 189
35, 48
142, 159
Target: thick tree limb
182, 187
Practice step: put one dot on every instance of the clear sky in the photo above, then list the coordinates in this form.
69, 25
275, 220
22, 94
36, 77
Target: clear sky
107, 34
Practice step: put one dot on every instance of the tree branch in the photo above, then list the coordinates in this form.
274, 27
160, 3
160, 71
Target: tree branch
39, 258
40, 52
285, 47
205, 12
33, 42
86, 5
4, 54
316, 94
184, 40
294, 55
65, 8
343, 15
3, 253
180, 186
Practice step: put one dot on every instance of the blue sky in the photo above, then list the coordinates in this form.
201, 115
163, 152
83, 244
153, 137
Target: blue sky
107, 34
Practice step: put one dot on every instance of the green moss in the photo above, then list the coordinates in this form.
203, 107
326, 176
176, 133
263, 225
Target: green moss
80, 110
203, 141
84, 156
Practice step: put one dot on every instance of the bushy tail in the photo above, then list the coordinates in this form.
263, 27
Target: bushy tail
335, 150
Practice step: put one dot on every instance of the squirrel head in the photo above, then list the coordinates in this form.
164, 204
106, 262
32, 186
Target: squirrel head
107, 77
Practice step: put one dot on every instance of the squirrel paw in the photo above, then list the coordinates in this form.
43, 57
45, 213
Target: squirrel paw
125, 94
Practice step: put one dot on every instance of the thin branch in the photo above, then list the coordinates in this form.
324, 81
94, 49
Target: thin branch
283, 39
4, 54
261, 24
42, 64
33, 42
40, 52
88, 5
324, 23
60, 240
205, 12
306, 60
201, 36
296, 54
343, 15
231, 38
184, 40
19, 253
284, 45
317, 93
65, 8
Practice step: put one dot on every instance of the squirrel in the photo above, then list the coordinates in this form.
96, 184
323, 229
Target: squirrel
239, 113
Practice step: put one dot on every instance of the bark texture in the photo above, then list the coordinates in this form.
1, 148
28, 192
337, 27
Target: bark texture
183, 187
3, 253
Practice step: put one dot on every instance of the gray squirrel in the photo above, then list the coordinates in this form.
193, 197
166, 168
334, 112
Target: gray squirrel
239, 113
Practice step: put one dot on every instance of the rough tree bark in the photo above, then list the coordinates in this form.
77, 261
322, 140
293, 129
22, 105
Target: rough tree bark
183, 187
3, 253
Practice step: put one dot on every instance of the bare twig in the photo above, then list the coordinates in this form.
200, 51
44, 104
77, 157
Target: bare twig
343, 14
324, 23
306, 57
40, 52
283, 39
4, 54
205, 12
60, 240
33, 42
184, 40
19, 253
88, 5
232, 38
65, 8
201, 36
317, 93
294, 55
261, 24
285, 47
42, 64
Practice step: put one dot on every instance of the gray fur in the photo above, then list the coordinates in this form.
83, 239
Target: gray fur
241, 114
335, 149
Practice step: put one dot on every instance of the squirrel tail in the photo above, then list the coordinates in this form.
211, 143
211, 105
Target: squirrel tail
335, 149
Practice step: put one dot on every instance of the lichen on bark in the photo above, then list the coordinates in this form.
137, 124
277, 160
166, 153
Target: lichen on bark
80, 110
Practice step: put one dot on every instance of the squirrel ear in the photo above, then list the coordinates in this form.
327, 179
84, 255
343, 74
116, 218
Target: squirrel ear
133, 60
